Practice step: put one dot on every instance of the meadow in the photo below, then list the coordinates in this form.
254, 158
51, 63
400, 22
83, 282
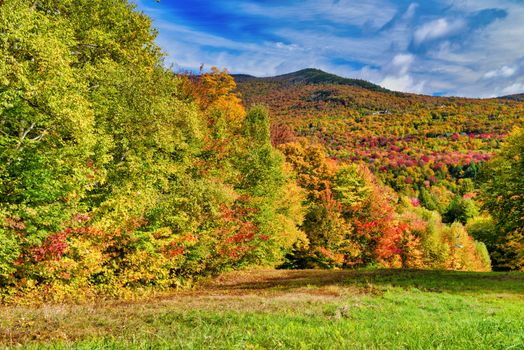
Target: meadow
284, 309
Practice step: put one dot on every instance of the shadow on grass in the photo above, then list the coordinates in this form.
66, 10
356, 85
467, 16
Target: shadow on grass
425, 280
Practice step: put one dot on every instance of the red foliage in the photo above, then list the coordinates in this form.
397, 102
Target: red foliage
173, 250
281, 134
415, 201
53, 248
240, 237
238, 231
416, 137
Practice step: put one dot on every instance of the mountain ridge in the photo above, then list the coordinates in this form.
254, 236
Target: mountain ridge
315, 76
408, 140
514, 97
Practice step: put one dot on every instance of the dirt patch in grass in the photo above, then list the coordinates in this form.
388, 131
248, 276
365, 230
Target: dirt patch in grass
278, 279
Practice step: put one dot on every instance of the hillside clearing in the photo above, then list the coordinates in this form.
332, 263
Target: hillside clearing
302, 309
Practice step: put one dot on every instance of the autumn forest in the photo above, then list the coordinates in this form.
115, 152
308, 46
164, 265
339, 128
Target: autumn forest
149, 205
119, 174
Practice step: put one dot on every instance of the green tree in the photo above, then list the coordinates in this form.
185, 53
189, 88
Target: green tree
112, 174
503, 194
427, 200
460, 210
266, 184
46, 123
483, 229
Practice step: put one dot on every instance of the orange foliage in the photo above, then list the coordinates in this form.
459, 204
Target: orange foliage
215, 93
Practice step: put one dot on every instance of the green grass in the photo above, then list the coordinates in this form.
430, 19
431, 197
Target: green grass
375, 309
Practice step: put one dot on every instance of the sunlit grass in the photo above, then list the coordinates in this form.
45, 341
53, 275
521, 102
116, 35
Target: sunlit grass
385, 309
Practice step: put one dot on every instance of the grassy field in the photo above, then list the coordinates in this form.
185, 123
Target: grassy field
365, 309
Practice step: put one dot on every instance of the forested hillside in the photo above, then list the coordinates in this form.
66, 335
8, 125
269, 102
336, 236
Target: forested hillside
409, 140
429, 149
119, 176
516, 97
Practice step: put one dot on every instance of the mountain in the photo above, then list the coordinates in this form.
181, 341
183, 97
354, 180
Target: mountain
411, 141
312, 76
516, 97
240, 78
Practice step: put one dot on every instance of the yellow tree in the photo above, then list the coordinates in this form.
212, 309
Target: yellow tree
215, 93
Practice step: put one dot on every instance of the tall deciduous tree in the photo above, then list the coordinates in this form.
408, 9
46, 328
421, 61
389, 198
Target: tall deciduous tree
46, 128
503, 194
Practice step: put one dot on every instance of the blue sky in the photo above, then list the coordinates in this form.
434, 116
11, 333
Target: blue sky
463, 47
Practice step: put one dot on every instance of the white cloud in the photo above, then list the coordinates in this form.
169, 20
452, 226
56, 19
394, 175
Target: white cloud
179, 33
410, 12
289, 47
504, 72
397, 75
486, 60
437, 29
402, 83
403, 62
327, 44
265, 58
516, 88
372, 13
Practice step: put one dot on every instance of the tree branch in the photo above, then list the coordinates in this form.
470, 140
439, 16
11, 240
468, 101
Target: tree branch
23, 136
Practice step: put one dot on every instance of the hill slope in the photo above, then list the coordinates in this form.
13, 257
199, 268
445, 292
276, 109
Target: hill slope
311, 76
516, 97
411, 141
